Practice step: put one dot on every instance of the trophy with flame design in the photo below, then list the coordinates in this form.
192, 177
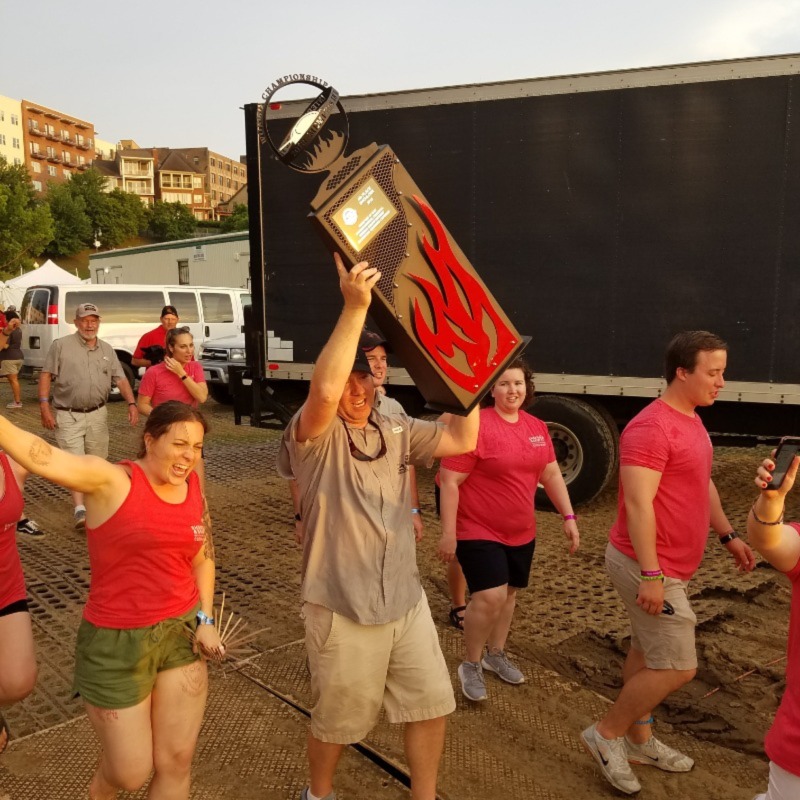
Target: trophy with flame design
437, 314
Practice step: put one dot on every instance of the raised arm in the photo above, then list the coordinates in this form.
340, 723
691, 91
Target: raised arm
85, 474
460, 434
778, 543
335, 362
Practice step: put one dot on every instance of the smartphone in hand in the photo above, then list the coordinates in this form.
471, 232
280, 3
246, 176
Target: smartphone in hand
787, 450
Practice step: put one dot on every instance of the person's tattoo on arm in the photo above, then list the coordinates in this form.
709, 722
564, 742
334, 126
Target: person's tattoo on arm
208, 539
40, 453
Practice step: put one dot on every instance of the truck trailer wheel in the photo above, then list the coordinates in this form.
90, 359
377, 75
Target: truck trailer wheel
586, 443
220, 392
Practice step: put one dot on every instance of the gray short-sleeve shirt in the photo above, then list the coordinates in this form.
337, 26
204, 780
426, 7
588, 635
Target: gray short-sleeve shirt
359, 554
82, 374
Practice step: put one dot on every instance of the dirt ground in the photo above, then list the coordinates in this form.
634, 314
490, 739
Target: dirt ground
568, 622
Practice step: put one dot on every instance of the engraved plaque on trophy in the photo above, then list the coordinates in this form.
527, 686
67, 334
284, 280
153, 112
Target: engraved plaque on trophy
443, 324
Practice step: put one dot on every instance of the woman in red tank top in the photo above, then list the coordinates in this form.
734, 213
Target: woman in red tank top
17, 656
152, 559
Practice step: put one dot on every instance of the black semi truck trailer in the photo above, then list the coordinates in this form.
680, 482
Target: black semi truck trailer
605, 212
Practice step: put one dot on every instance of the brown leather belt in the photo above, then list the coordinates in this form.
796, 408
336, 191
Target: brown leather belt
78, 410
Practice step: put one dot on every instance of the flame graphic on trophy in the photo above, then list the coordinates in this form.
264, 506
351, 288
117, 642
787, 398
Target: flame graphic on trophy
441, 320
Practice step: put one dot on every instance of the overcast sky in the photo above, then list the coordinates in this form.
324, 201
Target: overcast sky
175, 74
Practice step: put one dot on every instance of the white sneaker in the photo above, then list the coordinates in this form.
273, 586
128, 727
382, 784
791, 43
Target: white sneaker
654, 753
612, 759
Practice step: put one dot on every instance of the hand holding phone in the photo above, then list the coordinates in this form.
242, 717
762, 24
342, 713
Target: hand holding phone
784, 455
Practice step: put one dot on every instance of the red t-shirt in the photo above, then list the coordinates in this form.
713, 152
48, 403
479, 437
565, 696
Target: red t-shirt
156, 336
496, 501
676, 445
141, 558
12, 581
160, 385
783, 738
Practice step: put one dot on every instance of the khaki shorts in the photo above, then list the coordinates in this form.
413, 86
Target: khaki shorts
667, 640
83, 434
118, 668
355, 669
10, 367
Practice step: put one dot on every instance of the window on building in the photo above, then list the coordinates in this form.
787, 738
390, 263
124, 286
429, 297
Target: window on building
183, 272
15, 143
65, 134
36, 166
51, 152
228, 184
37, 185
15, 119
2, 115
213, 162
2, 138
33, 124
49, 129
79, 138
66, 156
197, 182
213, 177
17, 162
67, 174
52, 171
34, 147
213, 194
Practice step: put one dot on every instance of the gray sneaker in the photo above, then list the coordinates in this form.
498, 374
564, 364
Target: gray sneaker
473, 685
80, 519
655, 753
502, 667
304, 795
612, 758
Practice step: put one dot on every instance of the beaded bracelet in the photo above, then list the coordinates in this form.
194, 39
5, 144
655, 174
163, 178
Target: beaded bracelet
659, 577
761, 521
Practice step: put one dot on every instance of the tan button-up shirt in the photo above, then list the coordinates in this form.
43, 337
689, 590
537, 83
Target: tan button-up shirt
82, 374
359, 554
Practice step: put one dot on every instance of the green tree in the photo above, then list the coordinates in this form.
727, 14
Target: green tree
237, 221
73, 229
170, 221
124, 217
25, 222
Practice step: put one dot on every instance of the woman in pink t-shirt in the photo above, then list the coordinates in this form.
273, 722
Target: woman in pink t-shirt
488, 521
177, 377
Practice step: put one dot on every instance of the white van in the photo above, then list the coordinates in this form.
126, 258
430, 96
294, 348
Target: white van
127, 312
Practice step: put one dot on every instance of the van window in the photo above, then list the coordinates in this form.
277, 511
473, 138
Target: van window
34, 307
186, 304
142, 306
217, 307
247, 300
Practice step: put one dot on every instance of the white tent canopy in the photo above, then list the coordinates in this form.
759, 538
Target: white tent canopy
12, 291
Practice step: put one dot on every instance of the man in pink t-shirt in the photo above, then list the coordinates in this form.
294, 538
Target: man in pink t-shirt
780, 545
666, 502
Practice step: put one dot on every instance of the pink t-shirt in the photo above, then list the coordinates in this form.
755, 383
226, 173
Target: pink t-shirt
160, 385
783, 738
676, 445
496, 501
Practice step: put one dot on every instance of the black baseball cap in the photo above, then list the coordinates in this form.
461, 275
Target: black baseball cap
370, 340
170, 310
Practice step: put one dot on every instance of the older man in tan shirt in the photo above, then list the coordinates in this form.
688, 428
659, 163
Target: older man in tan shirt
370, 636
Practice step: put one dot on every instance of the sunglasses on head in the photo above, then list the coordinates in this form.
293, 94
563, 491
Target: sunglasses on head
357, 454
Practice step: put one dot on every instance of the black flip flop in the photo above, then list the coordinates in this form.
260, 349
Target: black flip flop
457, 617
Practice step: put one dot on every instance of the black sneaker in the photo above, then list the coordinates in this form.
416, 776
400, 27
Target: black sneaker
30, 528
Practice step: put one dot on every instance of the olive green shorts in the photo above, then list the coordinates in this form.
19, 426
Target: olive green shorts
118, 668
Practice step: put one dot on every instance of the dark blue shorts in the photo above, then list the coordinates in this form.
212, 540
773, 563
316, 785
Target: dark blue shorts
487, 564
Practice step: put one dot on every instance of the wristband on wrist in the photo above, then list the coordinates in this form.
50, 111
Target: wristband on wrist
416, 511
184, 377
728, 537
761, 521
131, 404
651, 575
204, 619
569, 516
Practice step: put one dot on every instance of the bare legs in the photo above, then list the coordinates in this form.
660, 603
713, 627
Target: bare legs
424, 742
159, 733
17, 658
456, 584
643, 690
13, 382
488, 620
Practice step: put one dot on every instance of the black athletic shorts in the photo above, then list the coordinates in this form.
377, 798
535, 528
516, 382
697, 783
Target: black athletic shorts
487, 564
14, 608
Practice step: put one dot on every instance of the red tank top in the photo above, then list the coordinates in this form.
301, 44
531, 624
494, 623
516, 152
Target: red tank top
12, 581
141, 558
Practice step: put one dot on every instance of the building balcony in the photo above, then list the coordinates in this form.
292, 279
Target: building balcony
82, 125
38, 154
81, 166
55, 159
35, 132
82, 146
52, 137
51, 114
34, 110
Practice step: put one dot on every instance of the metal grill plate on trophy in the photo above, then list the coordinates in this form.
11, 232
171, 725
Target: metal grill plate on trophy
443, 324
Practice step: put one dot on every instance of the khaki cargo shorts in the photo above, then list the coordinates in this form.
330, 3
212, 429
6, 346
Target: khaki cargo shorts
11, 367
82, 433
667, 640
356, 669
